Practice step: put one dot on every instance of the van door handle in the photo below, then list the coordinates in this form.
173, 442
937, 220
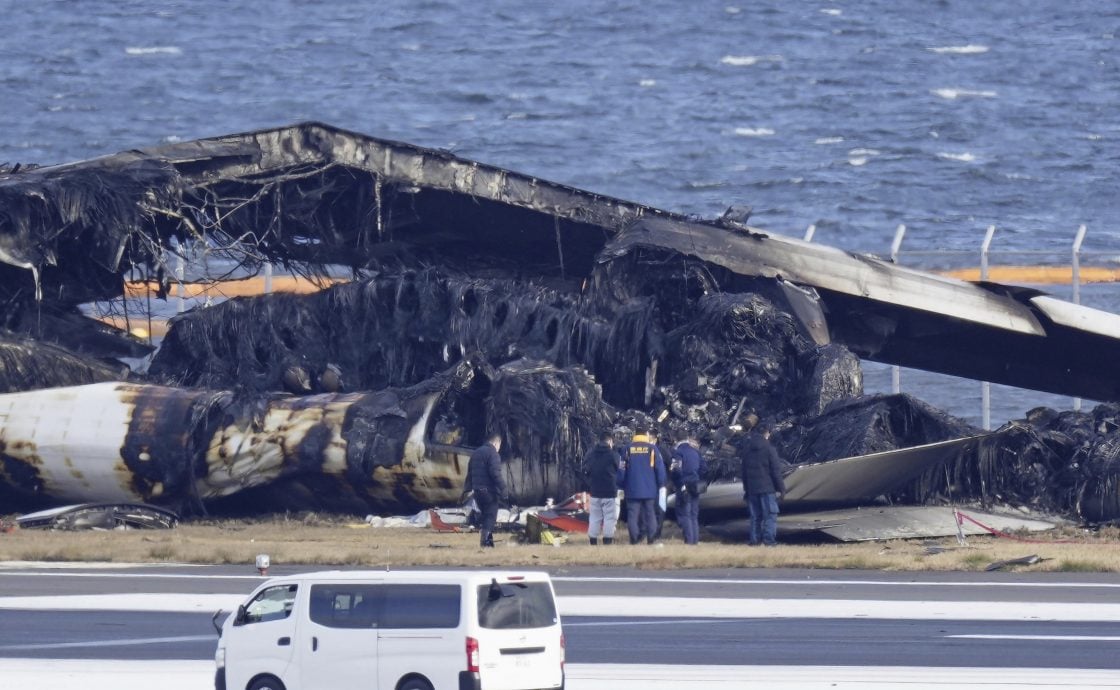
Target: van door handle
314, 644
284, 641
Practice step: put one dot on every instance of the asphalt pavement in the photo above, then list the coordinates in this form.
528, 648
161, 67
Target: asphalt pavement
626, 618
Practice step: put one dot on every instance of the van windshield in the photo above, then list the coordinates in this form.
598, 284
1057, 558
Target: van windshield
512, 605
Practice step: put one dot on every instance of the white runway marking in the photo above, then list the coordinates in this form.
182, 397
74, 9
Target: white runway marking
110, 643
649, 607
694, 607
1058, 638
828, 583
676, 621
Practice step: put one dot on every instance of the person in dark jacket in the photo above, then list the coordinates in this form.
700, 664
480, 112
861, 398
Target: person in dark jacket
686, 468
484, 478
600, 467
762, 485
641, 476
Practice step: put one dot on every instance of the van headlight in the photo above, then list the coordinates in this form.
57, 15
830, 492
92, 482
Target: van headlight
220, 657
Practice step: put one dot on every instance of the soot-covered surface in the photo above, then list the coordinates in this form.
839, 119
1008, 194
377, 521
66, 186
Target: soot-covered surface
572, 311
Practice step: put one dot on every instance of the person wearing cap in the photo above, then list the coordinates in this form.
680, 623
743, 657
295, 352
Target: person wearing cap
641, 476
600, 467
686, 468
762, 485
484, 477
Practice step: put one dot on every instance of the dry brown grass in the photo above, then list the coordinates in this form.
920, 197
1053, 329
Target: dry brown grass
313, 540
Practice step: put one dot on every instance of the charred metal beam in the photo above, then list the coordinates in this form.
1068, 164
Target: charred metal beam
903, 316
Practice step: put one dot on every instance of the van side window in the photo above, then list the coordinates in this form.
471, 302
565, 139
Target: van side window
420, 606
272, 604
345, 605
516, 605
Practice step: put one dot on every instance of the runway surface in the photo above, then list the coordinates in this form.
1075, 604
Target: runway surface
126, 627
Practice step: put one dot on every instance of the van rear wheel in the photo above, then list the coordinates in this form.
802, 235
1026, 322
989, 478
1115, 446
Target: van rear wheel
415, 684
266, 683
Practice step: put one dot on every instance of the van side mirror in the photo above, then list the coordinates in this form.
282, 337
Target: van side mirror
214, 622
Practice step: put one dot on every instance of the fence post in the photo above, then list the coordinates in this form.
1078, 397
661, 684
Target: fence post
1076, 279
180, 272
896, 247
810, 231
985, 386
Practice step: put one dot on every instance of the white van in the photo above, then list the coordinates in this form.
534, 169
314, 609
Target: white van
407, 630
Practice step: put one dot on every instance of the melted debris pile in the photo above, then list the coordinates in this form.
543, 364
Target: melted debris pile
1065, 463
557, 367
572, 312
27, 364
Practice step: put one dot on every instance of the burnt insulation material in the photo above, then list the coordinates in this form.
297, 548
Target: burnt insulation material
848, 427
741, 345
82, 227
387, 331
399, 329
549, 417
27, 364
1064, 463
870, 424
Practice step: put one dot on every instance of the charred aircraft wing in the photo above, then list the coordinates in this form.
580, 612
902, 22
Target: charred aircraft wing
873, 523
339, 197
844, 482
912, 318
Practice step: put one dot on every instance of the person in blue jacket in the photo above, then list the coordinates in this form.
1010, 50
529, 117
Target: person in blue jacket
484, 477
686, 468
641, 476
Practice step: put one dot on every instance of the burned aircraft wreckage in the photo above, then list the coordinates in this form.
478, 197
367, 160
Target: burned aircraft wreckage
478, 300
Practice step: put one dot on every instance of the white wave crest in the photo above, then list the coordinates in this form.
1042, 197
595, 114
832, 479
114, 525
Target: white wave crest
954, 94
754, 132
864, 152
970, 49
154, 50
965, 157
832, 12
748, 60
829, 140
646, 83
857, 161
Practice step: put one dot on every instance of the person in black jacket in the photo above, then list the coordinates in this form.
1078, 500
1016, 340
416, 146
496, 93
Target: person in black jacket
762, 485
484, 478
686, 468
600, 467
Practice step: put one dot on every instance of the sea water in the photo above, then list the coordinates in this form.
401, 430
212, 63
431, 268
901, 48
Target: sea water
852, 117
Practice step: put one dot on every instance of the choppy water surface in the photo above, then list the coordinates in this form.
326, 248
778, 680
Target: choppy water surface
855, 117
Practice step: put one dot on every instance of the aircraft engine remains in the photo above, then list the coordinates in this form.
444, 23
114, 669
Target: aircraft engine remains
478, 300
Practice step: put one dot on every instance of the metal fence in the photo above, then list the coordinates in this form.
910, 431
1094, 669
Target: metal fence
983, 254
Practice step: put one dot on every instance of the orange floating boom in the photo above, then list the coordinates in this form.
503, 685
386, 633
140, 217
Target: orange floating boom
244, 287
1037, 275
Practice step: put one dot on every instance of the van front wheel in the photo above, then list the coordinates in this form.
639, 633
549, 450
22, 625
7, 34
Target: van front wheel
266, 683
415, 684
